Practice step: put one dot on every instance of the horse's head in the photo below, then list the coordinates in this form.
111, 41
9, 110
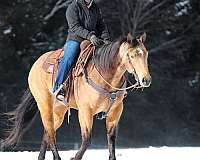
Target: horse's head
134, 59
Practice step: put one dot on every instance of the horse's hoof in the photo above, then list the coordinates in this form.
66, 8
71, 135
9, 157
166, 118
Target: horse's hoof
74, 158
57, 158
41, 157
112, 158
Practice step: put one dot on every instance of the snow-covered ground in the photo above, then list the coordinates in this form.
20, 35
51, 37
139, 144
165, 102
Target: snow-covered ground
163, 153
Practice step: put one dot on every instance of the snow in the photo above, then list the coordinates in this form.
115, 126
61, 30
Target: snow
168, 32
8, 30
182, 7
163, 153
194, 81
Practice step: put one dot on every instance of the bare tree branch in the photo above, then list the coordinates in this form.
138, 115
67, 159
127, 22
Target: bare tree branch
167, 44
60, 4
191, 25
148, 12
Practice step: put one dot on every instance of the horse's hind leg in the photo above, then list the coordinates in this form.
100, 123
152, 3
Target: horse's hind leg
58, 114
43, 147
46, 112
86, 122
111, 125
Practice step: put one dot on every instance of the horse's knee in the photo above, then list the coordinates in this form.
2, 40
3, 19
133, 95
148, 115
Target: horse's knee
113, 119
111, 126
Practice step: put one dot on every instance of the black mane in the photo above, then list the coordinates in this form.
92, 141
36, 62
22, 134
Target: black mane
105, 55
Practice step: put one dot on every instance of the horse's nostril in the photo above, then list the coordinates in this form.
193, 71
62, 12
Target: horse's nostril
143, 80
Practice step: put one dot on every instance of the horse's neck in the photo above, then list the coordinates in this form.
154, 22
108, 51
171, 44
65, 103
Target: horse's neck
114, 76
118, 71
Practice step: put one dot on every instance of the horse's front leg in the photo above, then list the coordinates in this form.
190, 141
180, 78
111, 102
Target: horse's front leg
86, 122
111, 125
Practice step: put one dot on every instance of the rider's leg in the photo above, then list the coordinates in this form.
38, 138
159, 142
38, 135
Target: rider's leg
71, 51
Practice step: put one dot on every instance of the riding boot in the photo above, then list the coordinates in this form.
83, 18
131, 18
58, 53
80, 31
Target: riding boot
60, 93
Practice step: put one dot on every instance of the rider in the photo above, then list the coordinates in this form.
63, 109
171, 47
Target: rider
85, 22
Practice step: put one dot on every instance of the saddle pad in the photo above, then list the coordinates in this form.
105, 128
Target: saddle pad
52, 61
50, 65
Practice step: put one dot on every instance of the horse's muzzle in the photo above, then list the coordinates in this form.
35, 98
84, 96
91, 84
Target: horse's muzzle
146, 81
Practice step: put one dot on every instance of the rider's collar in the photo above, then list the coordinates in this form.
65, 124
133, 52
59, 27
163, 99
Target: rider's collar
90, 4
82, 2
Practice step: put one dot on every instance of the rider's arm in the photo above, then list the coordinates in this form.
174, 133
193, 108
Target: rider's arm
74, 23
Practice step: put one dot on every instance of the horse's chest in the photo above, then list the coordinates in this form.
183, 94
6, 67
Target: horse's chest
102, 103
89, 97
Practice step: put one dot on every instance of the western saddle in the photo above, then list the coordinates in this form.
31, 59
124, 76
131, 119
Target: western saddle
51, 65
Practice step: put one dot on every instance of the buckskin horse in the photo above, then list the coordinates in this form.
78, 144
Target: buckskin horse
101, 89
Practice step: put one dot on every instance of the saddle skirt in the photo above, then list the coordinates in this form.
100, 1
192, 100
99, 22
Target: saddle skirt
51, 64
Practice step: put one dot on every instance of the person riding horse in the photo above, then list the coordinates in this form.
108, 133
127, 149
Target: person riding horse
85, 22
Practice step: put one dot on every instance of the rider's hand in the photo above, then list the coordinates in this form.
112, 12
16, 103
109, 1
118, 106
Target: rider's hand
106, 42
96, 41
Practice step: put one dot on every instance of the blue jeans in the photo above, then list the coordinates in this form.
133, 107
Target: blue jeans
71, 51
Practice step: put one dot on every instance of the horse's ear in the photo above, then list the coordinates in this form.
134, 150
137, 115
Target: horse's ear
143, 37
129, 37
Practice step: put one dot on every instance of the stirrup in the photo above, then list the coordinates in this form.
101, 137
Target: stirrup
60, 97
60, 93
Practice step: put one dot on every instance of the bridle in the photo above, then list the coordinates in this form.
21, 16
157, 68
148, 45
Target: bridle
134, 72
112, 95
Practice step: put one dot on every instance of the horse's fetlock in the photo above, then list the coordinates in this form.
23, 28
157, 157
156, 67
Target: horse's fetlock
113, 137
112, 158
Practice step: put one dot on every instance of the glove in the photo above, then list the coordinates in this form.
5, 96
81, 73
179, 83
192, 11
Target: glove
96, 41
107, 42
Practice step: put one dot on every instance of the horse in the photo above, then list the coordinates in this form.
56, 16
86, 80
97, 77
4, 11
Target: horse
105, 93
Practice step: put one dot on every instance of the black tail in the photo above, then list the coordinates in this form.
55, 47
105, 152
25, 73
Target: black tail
21, 118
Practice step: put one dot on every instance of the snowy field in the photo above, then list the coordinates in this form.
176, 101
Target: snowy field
164, 153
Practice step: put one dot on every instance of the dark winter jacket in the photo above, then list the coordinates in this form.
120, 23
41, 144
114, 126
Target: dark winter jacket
84, 21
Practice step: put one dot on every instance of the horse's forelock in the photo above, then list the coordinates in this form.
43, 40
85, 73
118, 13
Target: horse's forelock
134, 43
